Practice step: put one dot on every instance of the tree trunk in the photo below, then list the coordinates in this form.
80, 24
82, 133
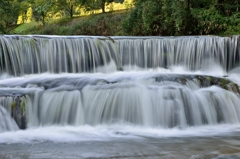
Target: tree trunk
71, 11
103, 6
23, 17
188, 5
43, 19
188, 18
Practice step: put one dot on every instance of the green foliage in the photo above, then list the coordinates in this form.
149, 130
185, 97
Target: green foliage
2, 27
233, 25
148, 17
24, 5
202, 3
182, 18
132, 24
42, 9
26, 28
224, 83
188, 17
103, 24
23, 107
159, 17
9, 10
210, 21
70, 6
99, 4
54, 30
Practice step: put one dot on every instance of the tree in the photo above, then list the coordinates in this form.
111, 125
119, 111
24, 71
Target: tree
100, 4
228, 7
146, 18
70, 5
9, 10
42, 8
24, 6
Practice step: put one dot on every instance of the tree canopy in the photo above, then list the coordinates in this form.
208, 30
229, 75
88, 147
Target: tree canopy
147, 17
9, 11
70, 6
186, 17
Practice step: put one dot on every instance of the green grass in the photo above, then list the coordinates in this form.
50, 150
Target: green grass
23, 28
85, 25
104, 24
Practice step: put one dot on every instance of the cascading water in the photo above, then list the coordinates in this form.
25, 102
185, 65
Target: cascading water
143, 101
22, 55
6, 122
83, 88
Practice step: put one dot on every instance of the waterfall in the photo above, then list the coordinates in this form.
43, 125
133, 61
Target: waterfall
149, 100
6, 122
20, 55
145, 103
80, 80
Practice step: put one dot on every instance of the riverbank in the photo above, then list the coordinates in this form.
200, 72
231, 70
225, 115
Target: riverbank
98, 24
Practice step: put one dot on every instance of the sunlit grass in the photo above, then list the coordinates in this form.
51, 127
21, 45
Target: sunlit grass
24, 27
31, 27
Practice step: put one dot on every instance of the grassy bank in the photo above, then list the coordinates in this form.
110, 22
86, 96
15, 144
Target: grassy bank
132, 23
99, 24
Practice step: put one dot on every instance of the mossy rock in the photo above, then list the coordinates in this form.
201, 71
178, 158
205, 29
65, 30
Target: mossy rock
201, 80
23, 109
13, 105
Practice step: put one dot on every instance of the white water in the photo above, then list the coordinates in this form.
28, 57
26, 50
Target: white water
94, 102
133, 97
51, 124
22, 55
6, 122
73, 134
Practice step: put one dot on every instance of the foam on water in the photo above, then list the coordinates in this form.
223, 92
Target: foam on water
214, 70
110, 132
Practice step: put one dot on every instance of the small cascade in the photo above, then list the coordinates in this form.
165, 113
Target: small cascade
15, 107
20, 55
154, 100
6, 122
6, 102
160, 105
29, 55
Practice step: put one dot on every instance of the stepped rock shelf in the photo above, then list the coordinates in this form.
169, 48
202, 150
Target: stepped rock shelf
118, 91
14, 95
